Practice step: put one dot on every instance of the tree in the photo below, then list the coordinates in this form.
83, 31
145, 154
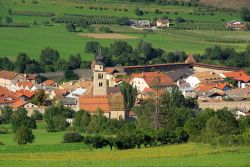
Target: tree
49, 56
70, 27
6, 114
74, 62
92, 47
180, 20
245, 14
20, 119
129, 94
8, 20
105, 29
138, 12
21, 62
81, 121
123, 21
36, 115
70, 75
40, 98
24, 135
55, 118
72, 137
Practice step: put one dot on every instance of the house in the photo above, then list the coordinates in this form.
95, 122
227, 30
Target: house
7, 97
57, 93
203, 78
241, 78
28, 106
236, 25
76, 93
8, 77
187, 90
111, 104
48, 84
70, 102
23, 85
142, 24
162, 23
150, 79
25, 95
238, 94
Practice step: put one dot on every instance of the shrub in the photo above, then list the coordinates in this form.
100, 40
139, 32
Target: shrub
36, 115
72, 137
24, 135
105, 29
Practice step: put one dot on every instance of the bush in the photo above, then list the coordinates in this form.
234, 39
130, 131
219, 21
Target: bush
105, 29
72, 137
24, 135
36, 115
70, 27
1, 143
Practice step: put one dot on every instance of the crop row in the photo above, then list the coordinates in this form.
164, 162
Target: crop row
33, 13
200, 26
23, 25
81, 20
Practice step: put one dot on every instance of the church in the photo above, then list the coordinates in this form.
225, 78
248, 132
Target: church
108, 100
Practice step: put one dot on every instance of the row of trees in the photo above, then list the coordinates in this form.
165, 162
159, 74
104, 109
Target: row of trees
226, 56
49, 61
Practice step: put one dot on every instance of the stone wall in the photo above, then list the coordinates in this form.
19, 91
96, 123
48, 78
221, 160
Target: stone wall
245, 105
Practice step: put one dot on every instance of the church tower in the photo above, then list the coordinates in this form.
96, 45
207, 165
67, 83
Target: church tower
99, 80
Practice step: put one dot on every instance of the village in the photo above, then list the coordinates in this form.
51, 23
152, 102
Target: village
213, 86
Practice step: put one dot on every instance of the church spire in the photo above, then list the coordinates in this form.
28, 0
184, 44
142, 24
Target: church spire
99, 58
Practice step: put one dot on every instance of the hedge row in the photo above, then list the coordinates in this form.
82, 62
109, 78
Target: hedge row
21, 25
33, 13
200, 26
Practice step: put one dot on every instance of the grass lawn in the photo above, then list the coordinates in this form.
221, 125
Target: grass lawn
47, 150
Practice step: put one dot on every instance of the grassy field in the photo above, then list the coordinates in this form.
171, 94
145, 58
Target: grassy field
33, 40
47, 150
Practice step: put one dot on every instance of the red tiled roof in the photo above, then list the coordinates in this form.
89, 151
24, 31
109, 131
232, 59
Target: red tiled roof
25, 83
8, 74
48, 82
6, 96
238, 76
221, 86
205, 88
26, 93
19, 103
152, 78
59, 92
92, 103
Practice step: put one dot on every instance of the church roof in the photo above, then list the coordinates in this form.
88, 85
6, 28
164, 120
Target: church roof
190, 59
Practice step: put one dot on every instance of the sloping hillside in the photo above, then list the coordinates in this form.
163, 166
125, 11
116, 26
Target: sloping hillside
236, 4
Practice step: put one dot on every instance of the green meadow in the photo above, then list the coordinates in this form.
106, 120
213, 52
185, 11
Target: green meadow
32, 40
47, 150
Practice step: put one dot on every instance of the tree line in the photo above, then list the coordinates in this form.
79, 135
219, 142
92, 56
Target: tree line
49, 61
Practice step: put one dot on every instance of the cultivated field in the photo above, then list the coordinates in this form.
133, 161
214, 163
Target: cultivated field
32, 40
47, 150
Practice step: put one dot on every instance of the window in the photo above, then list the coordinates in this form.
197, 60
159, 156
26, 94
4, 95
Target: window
100, 84
100, 76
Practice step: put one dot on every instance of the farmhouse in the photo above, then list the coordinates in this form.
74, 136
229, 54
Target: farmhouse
8, 77
242, 79
150, 79
236, 25
161, 23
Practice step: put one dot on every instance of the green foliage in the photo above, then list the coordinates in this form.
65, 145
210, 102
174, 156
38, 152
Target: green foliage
36, 115
72, 137
55, 118
6, 114
19, 119
40, 98
81, 121
24, 135
123, 21
21, 62
70, 27
8, 20
245, 14
92, 47
129, 94
105, 29
138, 12
70, 75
